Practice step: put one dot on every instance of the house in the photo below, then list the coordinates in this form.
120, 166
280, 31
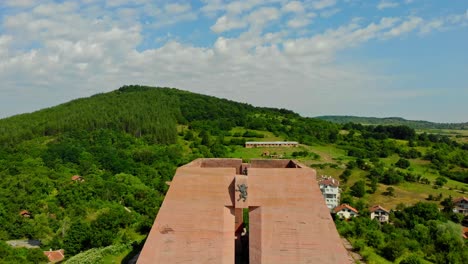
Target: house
77, 178
465, 232
346, 211
55, 256
330, 191
270, 144
25, 213
461, 205
379, 213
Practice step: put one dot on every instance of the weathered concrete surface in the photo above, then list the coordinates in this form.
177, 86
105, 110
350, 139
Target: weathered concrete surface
194, 225
289, 221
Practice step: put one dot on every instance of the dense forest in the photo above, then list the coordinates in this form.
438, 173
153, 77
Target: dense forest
393, 121
126, 144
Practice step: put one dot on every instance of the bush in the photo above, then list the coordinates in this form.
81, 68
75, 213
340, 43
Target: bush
358, 189
402, 163
411, 259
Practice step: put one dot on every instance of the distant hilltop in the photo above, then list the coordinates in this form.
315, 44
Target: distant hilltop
416, 124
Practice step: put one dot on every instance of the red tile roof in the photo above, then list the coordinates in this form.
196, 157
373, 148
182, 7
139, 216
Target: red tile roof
25, 212
345, 206
76, 178
465, 232
460, 199
378, 207
55, 255
329, 182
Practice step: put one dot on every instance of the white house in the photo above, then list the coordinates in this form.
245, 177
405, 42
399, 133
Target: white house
379, 213
346, 211
461, 205
330, 189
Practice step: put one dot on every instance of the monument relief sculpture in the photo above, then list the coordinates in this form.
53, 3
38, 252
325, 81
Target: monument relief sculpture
242, 189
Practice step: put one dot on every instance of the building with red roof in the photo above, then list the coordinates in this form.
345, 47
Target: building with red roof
379, 213
55, 255
25, 213
77, 178
330, 189
346, 211
465, 232
461, 205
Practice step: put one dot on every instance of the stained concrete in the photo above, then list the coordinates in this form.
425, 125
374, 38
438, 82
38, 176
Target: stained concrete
200, 217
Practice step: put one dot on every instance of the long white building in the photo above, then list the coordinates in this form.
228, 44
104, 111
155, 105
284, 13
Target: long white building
270, 144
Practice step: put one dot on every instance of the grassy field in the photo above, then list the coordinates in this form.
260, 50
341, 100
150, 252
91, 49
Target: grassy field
256, 153
268, 136
332, 162
457, 135
408, 192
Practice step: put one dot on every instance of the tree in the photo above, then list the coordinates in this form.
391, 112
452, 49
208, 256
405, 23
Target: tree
448, 204
358, 189
393, 250
189, 135
402, 163
440, 181
411, 259
392, 176
205, 138
390, 191
373, 185
345, 175
77, 238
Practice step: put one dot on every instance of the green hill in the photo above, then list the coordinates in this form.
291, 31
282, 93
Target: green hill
126, 144
416, 124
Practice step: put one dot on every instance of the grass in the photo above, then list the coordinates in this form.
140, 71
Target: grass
112, 259
256, 153
268, 136
406, 192
371, 257
333, 160
460, 136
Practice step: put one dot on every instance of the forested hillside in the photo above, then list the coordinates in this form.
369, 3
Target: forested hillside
416, 124
123, 146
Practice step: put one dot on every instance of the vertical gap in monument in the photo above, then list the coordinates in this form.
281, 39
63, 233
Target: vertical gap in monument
242, 236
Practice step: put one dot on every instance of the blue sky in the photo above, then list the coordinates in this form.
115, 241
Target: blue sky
379, 58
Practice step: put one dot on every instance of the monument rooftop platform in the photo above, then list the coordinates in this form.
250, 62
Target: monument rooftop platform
200, 220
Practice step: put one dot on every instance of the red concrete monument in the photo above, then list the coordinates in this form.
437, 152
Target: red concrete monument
202, 217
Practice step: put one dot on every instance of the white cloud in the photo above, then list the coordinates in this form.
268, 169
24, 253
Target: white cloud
56, 56
51, 9
436, 24
298, 22
321, 4
20, 3
175, 8
226, 23
330, 12
387, 4
262, 16
293, 6
458, 18
407, 26
237, 7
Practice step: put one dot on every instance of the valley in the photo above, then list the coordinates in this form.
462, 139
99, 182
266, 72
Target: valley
126, 144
